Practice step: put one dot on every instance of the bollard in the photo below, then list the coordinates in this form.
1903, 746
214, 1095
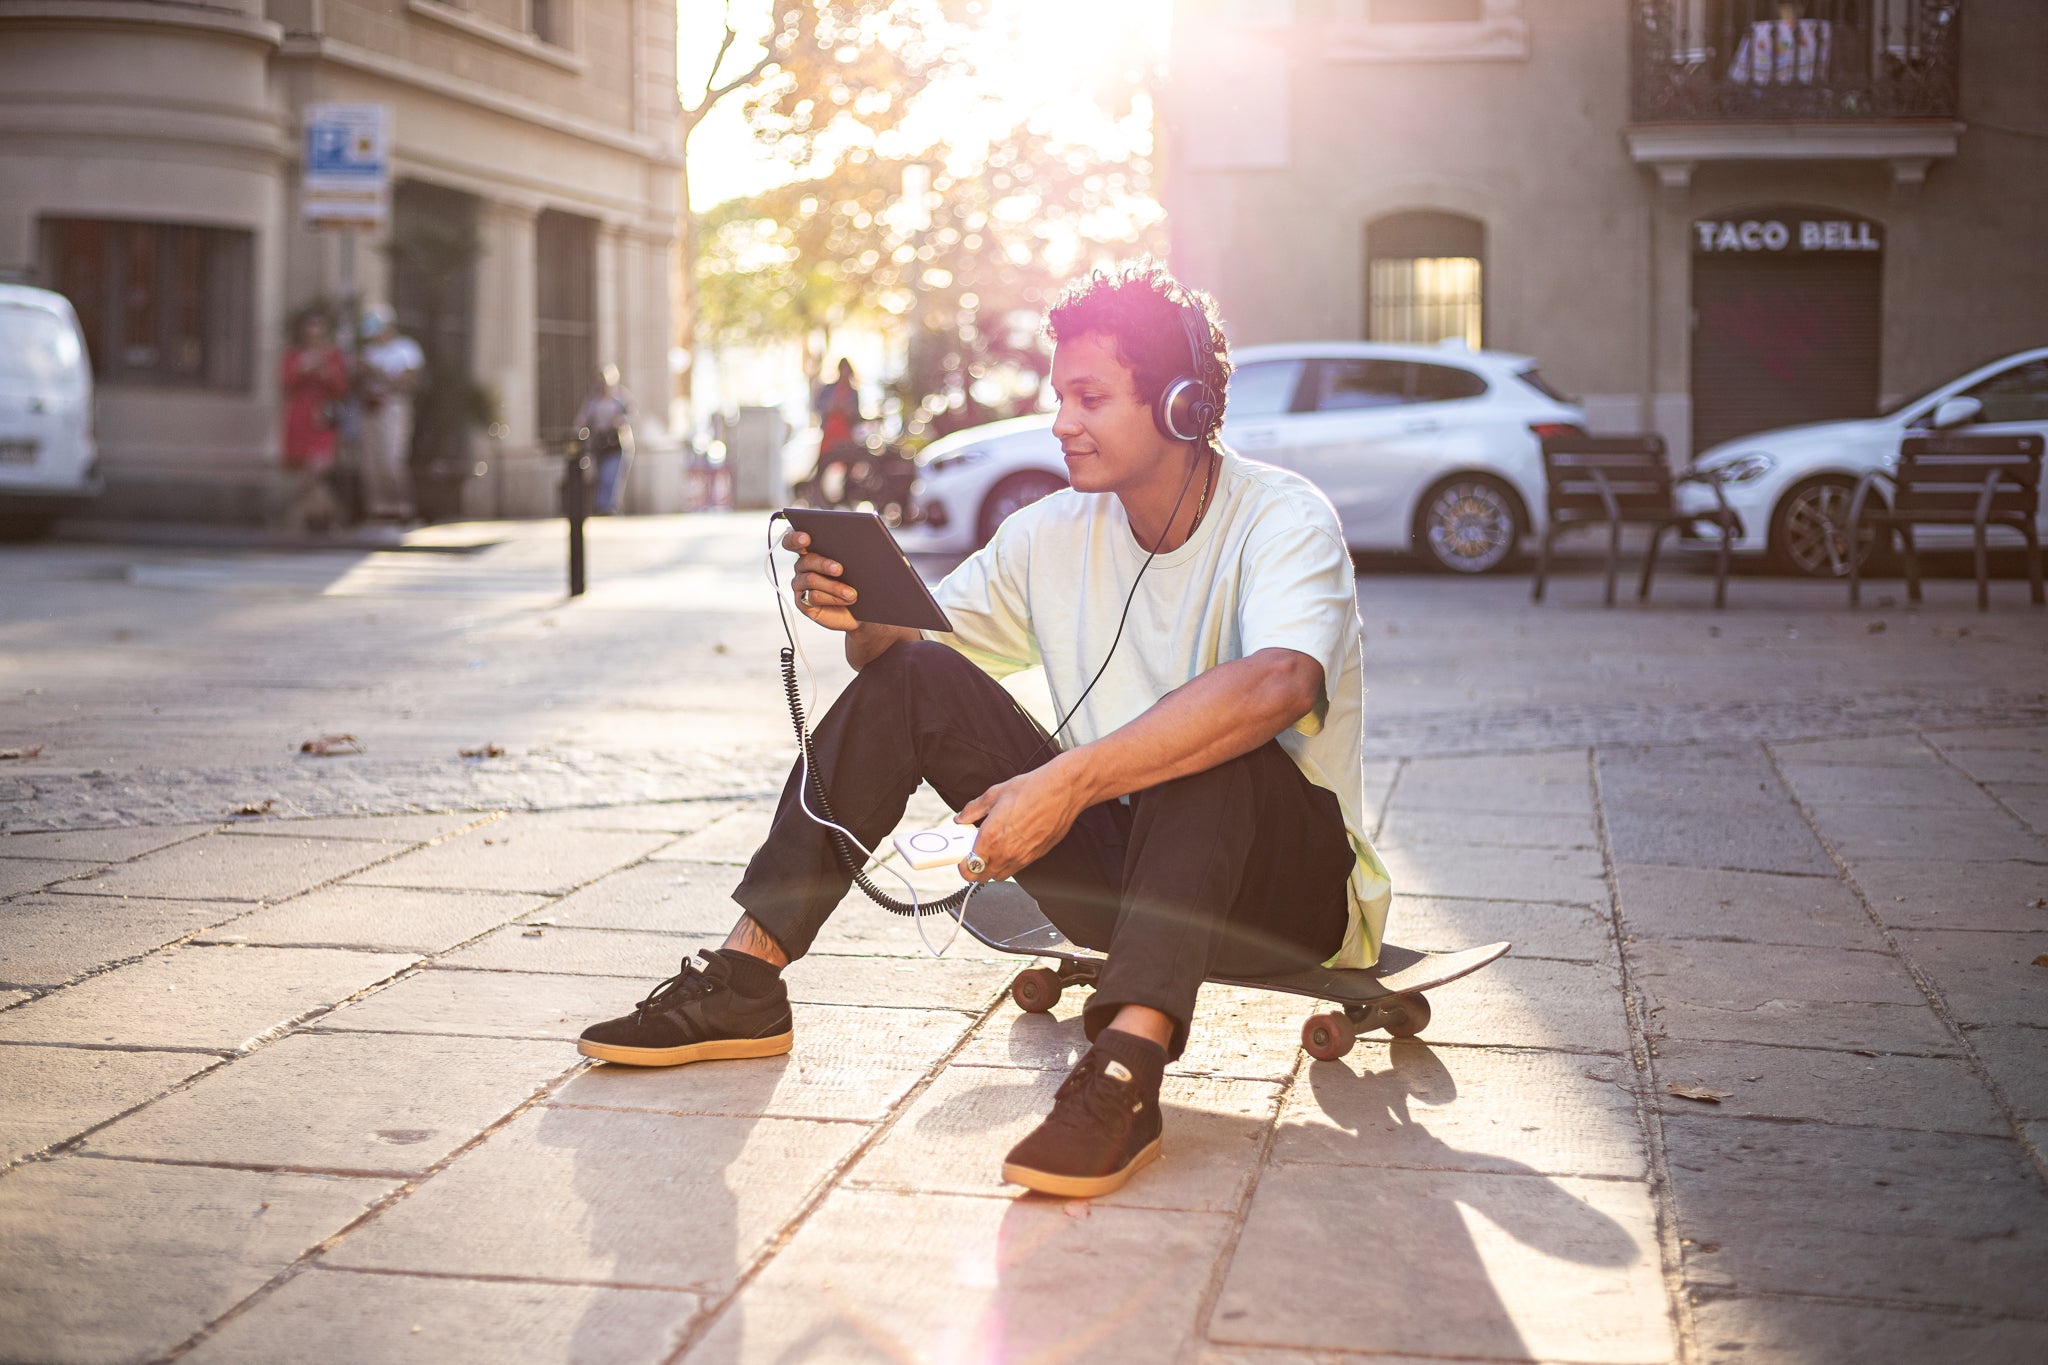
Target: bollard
575, 496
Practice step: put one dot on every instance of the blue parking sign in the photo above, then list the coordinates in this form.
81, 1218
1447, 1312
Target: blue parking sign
347, 172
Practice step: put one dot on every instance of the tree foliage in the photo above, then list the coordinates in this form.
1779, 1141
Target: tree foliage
964, 277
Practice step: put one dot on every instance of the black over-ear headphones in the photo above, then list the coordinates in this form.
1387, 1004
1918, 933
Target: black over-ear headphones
1187, 406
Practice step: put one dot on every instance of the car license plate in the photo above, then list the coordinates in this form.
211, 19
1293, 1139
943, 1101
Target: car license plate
17, 451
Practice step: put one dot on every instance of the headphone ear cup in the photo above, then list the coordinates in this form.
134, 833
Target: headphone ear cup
1178, 411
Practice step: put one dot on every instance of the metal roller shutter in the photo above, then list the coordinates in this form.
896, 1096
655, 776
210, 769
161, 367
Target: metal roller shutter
1778, 341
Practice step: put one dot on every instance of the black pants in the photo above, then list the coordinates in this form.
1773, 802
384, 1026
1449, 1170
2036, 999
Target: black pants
1241, 869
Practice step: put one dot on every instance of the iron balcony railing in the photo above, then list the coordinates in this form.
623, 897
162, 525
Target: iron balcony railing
1738, 60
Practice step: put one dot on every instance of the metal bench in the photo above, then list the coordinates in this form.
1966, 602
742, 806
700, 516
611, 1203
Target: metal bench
1950, 480
1620, 481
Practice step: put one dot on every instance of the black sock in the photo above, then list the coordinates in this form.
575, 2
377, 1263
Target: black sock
750, 975
1145, 1058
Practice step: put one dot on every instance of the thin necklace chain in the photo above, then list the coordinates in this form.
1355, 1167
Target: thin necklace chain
1208, 481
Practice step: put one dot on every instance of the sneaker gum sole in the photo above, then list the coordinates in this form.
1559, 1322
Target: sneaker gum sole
1080, 1186
718, 1049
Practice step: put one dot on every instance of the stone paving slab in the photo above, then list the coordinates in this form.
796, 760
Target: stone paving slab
1537, 1267
1933, 1219
1237, 1032
1997, 764
1453, 870
585, 952
1578, 933
401, 829
51, 1094
597, 1196
1874, 751
1404, 1103
1710, 807
659, 897
664, 817
1542, 784
150, 1254
1832, 784
962, 1278
1806, 997
846, 1063
1749, 907
19, 876
2017, 1059
1979, 833
47, 940
376, 917
732, 838
488, 1004
952, 1140
1530, 1002
1744, 1331
949, 983
1492, 829
1944, 893
348, 1103
227, 867
97, 845
12, 998
519, 853
1984, 978
2028, 800
215, 998
1938, 1094
328, 1316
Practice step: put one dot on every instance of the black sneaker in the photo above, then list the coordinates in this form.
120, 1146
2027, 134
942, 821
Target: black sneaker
1104, 1126
694, 1016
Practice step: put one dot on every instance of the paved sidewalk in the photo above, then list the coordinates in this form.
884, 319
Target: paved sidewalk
302, 1089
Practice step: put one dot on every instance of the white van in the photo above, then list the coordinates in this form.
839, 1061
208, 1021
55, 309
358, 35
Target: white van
49, 463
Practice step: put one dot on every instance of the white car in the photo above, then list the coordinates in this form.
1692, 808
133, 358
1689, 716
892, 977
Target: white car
1791, 487
1434, 449
48, 459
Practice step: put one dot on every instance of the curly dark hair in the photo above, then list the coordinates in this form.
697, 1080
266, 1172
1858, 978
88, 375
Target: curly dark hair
1139, 307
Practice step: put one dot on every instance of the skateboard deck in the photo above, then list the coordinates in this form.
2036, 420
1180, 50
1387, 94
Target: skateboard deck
1387, 995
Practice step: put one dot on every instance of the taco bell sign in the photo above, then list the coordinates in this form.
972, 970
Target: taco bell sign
1785, 234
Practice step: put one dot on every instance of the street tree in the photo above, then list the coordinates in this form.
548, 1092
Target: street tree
808, 74
962, 276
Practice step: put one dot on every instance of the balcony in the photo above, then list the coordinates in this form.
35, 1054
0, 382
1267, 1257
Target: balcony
1767, 80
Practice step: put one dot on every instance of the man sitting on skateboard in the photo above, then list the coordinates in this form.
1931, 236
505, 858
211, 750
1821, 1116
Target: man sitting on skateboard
1197, 614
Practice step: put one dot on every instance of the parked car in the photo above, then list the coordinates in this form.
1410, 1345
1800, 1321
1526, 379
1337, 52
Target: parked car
1431, 449
49, 463
1791, 486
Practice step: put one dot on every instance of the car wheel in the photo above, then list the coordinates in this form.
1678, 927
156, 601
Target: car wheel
1810, 530
1468, 524
1011, 493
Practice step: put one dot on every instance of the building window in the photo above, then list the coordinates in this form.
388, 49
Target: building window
161, 304
544, 20
565, 261
1427, 30
1424, 278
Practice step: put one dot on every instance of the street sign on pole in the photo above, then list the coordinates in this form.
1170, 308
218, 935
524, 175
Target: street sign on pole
346, 181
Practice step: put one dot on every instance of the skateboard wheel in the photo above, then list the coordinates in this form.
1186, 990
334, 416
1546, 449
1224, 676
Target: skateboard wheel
1405, 1015
1035, 990
1326, 1037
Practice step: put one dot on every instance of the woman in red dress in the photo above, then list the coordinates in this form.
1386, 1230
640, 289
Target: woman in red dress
313, 379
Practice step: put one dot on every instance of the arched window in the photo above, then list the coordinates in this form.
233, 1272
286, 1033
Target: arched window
1423, 278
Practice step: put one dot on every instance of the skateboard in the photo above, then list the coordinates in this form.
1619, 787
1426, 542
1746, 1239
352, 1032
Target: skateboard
1388, 995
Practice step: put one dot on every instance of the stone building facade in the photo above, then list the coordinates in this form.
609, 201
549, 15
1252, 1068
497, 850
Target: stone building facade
1705, 217
149, 166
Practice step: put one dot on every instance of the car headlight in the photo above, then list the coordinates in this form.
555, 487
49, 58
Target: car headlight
1742, 469
957, 458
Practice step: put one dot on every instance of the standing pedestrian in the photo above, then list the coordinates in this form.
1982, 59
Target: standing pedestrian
313, 379
839, 415
602, 425
388, 375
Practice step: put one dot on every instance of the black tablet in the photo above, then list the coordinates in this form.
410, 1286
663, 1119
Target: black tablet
891, 593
